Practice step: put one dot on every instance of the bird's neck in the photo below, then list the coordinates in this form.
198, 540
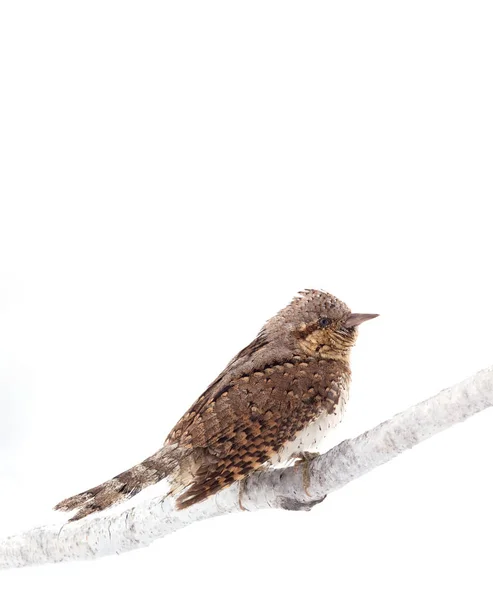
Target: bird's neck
338, 347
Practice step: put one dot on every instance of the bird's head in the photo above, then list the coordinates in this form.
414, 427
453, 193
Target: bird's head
319, 325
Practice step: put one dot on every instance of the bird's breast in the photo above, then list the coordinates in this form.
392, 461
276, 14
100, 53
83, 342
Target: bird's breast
311, 437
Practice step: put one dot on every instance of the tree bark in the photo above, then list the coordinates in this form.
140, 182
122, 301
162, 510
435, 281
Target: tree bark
293, 488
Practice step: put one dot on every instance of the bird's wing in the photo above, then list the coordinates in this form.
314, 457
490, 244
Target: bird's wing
222, 382
240, 428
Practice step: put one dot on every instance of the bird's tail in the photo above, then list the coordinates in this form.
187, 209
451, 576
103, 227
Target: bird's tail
125, 485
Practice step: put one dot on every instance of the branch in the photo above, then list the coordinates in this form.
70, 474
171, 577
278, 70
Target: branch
277, 488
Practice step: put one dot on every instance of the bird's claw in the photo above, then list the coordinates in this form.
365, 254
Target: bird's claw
303, 459
241, 489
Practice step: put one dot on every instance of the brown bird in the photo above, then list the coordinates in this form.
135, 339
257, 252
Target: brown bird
273, 402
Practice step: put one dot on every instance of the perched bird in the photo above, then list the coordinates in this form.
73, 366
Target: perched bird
273, 402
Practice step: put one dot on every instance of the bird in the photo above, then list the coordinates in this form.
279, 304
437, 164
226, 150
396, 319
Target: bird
274, 402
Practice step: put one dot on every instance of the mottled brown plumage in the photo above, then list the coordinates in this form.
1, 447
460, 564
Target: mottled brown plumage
273, 400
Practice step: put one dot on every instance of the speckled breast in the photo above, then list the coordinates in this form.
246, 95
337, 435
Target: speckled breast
311, 437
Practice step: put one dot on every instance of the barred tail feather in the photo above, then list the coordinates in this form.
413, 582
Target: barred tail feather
125, 485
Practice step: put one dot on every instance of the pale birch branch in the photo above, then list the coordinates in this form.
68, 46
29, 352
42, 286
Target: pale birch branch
280, 488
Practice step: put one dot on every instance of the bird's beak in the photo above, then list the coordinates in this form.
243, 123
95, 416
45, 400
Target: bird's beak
356, 319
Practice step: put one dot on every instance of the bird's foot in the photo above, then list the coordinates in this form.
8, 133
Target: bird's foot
241, 490
242, 485
305, 456
303, 460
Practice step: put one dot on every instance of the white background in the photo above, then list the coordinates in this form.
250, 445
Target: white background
171, 175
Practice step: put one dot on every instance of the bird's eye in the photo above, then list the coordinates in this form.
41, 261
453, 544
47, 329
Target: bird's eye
324, 322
